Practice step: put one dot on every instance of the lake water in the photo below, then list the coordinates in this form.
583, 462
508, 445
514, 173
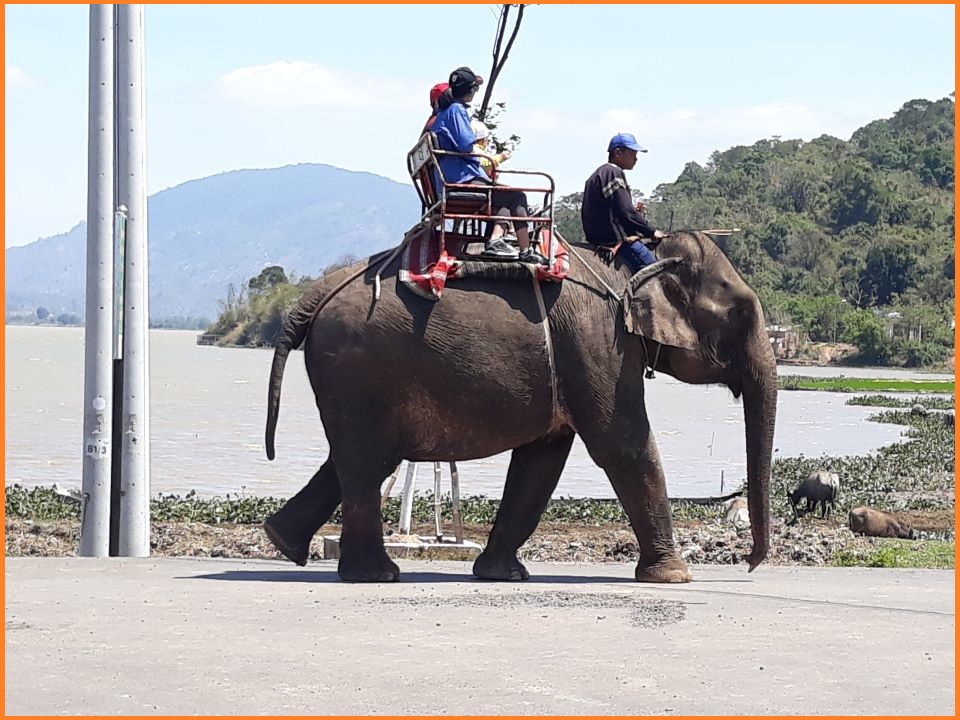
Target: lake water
208, 408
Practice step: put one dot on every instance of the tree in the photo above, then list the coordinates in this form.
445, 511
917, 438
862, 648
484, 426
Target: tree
42, 313
68, 319
868, 333
341, 262
269, 277
500, 53
492, 122
859, 196
889, 271
566, 216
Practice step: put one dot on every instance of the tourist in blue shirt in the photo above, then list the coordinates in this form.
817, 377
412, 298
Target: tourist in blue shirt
453, 131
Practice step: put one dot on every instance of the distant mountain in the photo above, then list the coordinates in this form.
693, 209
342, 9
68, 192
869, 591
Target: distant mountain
208, 233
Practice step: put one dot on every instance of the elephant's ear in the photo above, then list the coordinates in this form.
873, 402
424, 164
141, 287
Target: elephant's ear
656, 308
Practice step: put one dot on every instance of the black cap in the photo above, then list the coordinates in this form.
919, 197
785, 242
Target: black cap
463, 80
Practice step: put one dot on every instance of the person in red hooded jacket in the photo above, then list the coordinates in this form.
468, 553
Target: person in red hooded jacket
435, 92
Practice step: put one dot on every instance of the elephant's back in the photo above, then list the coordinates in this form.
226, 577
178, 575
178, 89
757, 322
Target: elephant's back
474, 353
470, 314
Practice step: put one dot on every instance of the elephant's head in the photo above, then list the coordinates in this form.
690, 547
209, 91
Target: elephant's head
706, 326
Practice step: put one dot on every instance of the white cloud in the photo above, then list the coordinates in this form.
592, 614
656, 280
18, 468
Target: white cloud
684, 114
17, 78
624, 118
746, 124
299, 85
789, 120
569, 143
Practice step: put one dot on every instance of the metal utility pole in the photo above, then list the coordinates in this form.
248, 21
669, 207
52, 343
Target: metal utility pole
131, 192
98, 332
117, 400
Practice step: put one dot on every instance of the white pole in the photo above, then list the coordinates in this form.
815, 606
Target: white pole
436, 500
134, 537
98, 332
406, 498
455, 502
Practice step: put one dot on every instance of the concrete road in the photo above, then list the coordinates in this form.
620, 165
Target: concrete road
224, 637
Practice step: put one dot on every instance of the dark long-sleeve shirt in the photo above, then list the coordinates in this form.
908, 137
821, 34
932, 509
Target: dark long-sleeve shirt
607, 213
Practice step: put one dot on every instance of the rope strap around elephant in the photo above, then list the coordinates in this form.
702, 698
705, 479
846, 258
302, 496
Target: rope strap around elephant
548, 340
613, 293
336, 291
501, 271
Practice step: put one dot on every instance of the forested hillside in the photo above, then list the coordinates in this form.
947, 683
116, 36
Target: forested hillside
836, 235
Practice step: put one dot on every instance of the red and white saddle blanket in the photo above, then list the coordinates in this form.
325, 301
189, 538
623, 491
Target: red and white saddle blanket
426, 271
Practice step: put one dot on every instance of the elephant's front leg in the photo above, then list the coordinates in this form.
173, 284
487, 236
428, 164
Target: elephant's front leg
533, 475
637, 477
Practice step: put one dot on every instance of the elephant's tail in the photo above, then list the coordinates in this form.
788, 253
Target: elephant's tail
294, 330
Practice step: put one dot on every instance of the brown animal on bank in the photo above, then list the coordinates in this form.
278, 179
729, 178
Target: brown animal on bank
738, 513
876, 523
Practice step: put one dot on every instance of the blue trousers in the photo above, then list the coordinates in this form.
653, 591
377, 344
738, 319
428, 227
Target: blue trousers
636, 255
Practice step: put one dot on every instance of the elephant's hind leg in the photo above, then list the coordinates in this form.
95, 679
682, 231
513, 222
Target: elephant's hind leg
533, 475
363, 558
293, 526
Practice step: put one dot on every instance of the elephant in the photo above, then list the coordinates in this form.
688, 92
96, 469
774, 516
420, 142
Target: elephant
877, 523
821, 487
481, 372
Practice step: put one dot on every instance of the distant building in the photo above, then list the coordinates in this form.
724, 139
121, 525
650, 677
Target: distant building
785, 341
897, 327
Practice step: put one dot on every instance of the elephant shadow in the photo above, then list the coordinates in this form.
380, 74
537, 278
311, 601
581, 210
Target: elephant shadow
415, 578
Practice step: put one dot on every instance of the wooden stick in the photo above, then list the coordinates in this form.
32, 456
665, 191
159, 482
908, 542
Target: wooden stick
721, 231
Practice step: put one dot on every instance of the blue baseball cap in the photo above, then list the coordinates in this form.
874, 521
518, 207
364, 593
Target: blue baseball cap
624, 140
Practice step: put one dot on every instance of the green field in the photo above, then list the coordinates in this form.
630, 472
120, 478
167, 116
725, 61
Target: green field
845, 384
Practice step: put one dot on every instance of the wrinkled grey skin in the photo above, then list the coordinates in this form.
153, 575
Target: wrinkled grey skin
877, 523
469, 377
821, 488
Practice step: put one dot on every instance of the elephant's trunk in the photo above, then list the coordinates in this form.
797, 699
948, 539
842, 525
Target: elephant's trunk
760, 411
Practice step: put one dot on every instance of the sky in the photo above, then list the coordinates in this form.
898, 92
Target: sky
260, 86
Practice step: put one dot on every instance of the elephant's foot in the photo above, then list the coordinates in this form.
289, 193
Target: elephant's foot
378, 570
664, 569
488, 567
296, 550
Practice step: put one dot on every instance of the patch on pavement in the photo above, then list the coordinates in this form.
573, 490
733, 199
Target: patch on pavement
644, 612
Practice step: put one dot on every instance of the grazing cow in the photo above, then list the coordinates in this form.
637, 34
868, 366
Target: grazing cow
876, 523
822, 487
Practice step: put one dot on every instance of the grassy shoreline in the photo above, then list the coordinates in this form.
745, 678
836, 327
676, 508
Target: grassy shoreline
855, 384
